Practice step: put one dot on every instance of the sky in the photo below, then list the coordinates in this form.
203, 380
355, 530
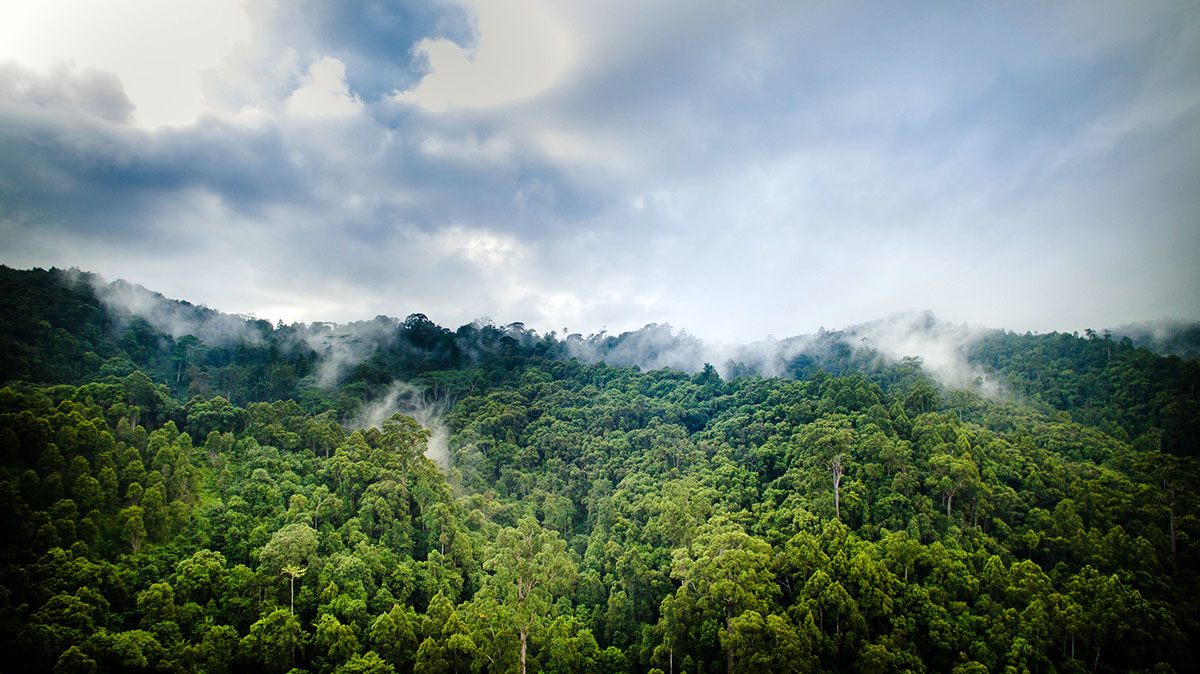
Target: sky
736, 170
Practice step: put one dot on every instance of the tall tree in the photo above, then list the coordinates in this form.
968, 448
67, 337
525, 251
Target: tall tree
728, 571
837, 469
529, 569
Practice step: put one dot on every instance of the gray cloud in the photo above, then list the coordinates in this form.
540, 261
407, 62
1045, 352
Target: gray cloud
88, 94
735, 171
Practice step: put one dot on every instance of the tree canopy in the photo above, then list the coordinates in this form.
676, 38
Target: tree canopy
217, 505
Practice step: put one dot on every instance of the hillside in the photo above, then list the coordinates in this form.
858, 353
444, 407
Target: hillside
187, 490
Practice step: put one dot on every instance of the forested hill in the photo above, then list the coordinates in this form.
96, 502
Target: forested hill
184, 490
72, 327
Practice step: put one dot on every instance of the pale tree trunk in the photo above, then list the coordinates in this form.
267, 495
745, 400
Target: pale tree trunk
837, 468
524, 637
729, 631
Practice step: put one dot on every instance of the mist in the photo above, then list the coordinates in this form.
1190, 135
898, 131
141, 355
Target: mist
406, 399
124, 300
343, 346
941, 347
1169, 337
652, 347
340, 346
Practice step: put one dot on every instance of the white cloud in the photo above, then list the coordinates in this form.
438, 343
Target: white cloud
324, 92
469, 147
157, 49
523, 49
488, 250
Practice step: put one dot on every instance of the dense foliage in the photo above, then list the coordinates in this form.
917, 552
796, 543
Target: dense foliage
199, 504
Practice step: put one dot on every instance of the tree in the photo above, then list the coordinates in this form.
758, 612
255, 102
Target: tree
727, 570
921, 399
273, 640
217, 649
769, 646
392, 635
137, 649
202, 577
529, 568
404, 441
334, 642
157, 605
830, 439
290, 546
293, 572
183, 352
367, 663
133, 530
951, 475
837, 468
74, 661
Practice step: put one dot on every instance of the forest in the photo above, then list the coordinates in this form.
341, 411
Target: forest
183, 490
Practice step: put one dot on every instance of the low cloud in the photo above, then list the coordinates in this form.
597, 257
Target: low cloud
1168, 336
342, 347
943, 349
404, 398
126, 300
652, 347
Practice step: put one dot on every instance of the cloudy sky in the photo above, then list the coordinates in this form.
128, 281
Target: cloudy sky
734, 169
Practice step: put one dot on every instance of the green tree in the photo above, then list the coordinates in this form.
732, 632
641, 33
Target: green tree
392, 635
769, 646
273, 641
952, 475
217, 649
367, 663
528, 569
74, 661
289, 549
334, 642
728, 571
403, 440
292, 572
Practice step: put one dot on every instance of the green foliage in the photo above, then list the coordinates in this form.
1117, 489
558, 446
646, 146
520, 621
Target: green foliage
178, 505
